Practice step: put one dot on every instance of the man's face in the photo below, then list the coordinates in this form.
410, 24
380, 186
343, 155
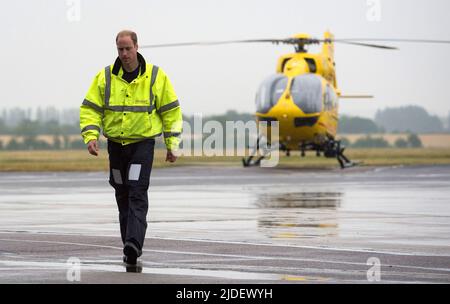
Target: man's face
127, 50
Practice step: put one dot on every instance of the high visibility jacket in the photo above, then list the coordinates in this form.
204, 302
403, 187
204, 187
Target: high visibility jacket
130, 112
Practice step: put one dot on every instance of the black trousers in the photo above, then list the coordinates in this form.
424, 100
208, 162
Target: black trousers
130, 168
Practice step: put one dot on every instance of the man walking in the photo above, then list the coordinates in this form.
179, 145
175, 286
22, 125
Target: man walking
133, 102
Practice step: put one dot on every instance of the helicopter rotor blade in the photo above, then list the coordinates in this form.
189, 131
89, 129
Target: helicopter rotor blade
392, 40
360, 41
304, 41
203, 43
368, 45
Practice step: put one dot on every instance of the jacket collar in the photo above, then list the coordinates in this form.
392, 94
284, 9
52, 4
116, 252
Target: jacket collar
118, 65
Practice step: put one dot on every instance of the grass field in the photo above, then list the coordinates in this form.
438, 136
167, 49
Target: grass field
428, 140
80, 160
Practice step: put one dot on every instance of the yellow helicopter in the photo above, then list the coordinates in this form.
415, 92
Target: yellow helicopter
303, 96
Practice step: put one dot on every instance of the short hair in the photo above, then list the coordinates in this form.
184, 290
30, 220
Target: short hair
127, 33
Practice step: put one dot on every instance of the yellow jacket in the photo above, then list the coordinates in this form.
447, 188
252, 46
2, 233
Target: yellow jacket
130, 112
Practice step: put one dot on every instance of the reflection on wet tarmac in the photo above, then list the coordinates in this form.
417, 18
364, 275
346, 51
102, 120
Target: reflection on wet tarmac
274, 224
289, 215
60, 268
299, 200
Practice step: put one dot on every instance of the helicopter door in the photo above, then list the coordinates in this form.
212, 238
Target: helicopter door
306, 91
270, 92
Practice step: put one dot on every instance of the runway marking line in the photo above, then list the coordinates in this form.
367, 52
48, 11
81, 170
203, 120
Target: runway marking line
303, 247
267, 245
249, 257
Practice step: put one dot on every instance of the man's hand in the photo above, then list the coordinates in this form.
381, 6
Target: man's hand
170, 157
93, 147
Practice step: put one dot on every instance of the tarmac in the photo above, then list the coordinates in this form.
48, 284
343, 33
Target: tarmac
233, 225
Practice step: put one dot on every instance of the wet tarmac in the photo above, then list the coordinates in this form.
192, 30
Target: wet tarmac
233, 225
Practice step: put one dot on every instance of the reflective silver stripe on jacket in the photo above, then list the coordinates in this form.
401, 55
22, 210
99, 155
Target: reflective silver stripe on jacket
170, 134
130, 138
107, 85
136, 109
93, 105
168, 106
90, 127
152, 82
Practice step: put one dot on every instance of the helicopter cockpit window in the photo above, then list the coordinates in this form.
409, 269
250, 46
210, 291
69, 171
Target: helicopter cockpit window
330, 98
306, 91
270, 92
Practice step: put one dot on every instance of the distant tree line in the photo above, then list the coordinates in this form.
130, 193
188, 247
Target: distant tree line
230, 115
358, 125
34, 127
412, 141
33, 143
409, 119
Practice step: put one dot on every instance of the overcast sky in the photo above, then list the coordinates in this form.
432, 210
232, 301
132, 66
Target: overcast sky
50, 53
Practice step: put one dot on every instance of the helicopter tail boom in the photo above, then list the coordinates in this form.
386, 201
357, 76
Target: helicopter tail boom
328, 46
355, 96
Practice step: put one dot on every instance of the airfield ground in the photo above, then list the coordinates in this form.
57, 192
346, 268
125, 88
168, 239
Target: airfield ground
227, 224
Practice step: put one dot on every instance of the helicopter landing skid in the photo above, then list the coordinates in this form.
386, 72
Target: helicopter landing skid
250, 161
344, 162
253, 159
334, 149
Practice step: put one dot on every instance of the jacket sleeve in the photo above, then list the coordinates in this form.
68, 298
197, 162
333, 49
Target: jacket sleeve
91, 110
168, 108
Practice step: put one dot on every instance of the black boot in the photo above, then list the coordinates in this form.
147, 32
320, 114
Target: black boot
131, 253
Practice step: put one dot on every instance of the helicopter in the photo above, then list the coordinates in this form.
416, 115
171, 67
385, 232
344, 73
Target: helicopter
302, 97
